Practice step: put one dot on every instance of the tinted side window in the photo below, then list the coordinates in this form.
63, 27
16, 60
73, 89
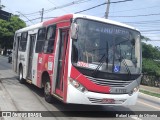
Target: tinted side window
49, 43
40, 40
23, 42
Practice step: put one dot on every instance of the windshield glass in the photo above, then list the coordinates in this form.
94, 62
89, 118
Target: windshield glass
106, 47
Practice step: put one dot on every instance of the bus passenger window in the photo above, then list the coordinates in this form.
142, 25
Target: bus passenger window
40, 40
49, 43
23, 42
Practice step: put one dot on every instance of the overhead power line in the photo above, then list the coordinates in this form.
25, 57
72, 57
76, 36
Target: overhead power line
33, 19
144, 21
25, 17
144, 24
67, 5
102, 5
58, 7
39, 18
153, 40
128, 10
74, 2
135, 9
153, 33
139, 15
149, 30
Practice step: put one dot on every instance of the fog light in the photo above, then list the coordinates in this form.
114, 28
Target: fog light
77, 85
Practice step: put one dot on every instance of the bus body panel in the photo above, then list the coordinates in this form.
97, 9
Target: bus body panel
43, 63
22, 61
62, 23
34, 69
22, 57
15, 57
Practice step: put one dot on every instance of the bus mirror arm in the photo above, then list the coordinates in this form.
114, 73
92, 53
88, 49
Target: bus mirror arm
74, 31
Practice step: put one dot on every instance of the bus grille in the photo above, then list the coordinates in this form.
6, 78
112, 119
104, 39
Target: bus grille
111, 83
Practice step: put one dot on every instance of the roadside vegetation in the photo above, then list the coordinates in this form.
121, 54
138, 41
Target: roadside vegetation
7, 30
151, 65
150, 68
150, 93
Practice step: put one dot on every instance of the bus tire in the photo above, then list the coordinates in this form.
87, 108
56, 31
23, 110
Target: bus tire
20, 75
47, 90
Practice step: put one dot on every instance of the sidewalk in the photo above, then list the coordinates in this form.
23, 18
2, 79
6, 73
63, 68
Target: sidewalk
151, 89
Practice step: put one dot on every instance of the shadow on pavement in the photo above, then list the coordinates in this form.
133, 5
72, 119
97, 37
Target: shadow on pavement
78, 110
10, 80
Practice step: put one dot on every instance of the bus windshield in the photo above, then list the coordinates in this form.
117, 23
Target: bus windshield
106, 47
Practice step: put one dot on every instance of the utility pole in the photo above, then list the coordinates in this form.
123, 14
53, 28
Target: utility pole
107, 9
42, 14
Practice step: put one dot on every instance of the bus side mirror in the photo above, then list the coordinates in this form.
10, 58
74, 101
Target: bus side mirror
74, 31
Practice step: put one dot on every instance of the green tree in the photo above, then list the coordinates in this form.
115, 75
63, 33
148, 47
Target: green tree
151, 67
150, 52
7, 30
151, 57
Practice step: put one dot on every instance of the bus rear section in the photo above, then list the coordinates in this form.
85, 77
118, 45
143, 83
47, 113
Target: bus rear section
82, 60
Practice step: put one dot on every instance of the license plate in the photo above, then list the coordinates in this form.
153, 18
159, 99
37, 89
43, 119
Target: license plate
121, 90
109, 101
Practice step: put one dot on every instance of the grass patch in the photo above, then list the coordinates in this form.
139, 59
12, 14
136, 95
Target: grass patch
150, 93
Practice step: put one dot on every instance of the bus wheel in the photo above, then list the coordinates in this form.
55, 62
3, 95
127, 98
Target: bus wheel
20, 76
47, 92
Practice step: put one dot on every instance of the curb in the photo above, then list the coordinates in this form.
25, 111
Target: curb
149, 96
150, 91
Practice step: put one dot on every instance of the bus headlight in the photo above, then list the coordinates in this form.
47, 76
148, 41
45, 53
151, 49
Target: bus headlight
77, 85
134, 90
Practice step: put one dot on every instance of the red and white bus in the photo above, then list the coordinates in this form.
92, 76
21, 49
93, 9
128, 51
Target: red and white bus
80, 59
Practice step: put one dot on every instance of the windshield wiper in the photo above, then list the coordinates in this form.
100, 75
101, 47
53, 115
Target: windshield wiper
99, 65
126, 66
107, 49
124, 62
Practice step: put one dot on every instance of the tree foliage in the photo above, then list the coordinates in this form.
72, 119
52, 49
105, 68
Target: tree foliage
7, 30
151, 60
150, 52
144, 38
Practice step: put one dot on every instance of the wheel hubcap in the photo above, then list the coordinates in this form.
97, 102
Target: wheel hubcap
47, 88
20, 74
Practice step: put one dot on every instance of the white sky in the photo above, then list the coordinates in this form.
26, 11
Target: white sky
131, 8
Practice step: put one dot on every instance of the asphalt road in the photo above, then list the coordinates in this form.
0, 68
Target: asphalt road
25, 97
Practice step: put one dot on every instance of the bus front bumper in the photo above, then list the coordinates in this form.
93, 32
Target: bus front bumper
75, 96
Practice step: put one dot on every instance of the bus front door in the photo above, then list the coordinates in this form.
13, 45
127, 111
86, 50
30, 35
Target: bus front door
15, 53
61, 61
